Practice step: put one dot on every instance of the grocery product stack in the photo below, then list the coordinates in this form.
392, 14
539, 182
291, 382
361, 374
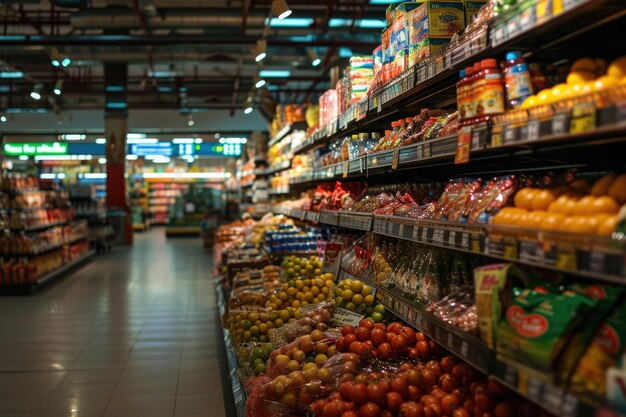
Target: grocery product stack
41, 236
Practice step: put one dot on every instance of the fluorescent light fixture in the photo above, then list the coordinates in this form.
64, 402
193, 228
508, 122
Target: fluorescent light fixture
55, 63
260, 51
233, 140
183, 140
274, 73
101, 141
316, 62
72, 137
345, 52
94, 175
136, 135
48, 176
139, 141
66, 62
114, 88
161, 159
186, 175
116, 105
362, 23
12, 74
273, 88
23, 157
3, 119
162, 74
248, 110
54, 157
260, 83
131, 157
102, 161
280, 9
57, 91
300, 22
198, 140
35, 95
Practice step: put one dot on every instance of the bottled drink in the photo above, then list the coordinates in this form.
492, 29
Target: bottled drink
489, 89
516, 79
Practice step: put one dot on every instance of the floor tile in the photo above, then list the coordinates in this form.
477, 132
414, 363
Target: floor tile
141, 402
199, 401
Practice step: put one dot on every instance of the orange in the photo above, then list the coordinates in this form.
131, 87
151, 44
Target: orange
604, 205
617, 190
507, 216
581, 185
607, 226
566, 225
535, 219
524, 198
584, 206
601, 187
542, 200
584, 224
552, 222
558, 205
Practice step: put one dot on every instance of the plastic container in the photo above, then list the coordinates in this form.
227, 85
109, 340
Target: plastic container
397, 140
489, 89
516, 79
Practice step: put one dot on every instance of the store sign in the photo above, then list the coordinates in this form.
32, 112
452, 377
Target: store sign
158, 149
226, 149
35, 149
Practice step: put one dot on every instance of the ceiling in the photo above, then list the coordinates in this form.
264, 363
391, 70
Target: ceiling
183, 55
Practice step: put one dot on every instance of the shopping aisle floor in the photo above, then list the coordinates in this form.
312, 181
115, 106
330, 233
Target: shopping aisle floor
131, 334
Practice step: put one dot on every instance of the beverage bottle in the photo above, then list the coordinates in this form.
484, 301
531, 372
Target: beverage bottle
470, 94
381, 141
388, 140
516, 79
489, 89
397, 140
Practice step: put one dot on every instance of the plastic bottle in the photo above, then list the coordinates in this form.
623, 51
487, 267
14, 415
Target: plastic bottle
516, 79
388, 139
472, 79
397, 140
489, 89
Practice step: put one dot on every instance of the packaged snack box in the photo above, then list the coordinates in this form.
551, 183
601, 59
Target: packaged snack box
471, 9
385, 45
377, 55
390, 13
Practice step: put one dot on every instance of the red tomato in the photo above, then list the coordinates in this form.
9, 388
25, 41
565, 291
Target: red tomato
410, 334
357, 348
368, 324
496, 388
340, 345
348, 339
369, 409
400, 385
434, 366
449, 403
376, 393
332, 409
469, 405
414, 377
504, 409
346, 377
438, 393
395, 327
429, 377
434, 347
459, 412
484, 401
411, 409
385, 351
457, 371
432, 410
346, 330
406, 366
378, 336
415, 394
421, 337
412, 353
349, 414
423, 348
399, 343
359, 393
390, 336
386, 413
448, 362
461, 393
394, 401
428, 399
363, 333
448, 383
345, 390
381, 326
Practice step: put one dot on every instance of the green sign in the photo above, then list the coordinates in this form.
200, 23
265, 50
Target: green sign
35, 148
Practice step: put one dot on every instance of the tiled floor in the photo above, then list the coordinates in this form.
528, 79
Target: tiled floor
131, 334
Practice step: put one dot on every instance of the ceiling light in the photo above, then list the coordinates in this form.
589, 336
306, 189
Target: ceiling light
3, 119
248, 109
280, 9
55, 63
142, 141
136, 135
198, 140
182, 140
274, 73
11, 74
131, 157
66, 62
260, 51
259, 82
161, 160
72, 137
101, 141
190, 121
36, 92
315, 59
102, 161
94, 175
198, 175
301, 22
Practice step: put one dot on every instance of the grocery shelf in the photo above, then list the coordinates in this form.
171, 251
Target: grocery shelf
290, 127
41, 252
280, 167
593, 257
26, 289
238, 390
39, 227
182, 230
432, 83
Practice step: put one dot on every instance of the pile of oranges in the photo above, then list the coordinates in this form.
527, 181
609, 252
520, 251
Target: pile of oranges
574, 209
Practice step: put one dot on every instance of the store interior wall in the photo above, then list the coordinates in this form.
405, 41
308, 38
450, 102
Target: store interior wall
153, 121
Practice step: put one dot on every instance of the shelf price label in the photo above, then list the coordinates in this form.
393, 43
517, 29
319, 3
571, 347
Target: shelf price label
463, 143
559, 124
342, 317
532, 130
583, 118
345, 169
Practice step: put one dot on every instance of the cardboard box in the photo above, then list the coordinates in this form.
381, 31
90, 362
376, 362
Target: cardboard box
471, 9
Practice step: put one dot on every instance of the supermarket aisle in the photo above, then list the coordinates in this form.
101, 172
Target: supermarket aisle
132, 334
